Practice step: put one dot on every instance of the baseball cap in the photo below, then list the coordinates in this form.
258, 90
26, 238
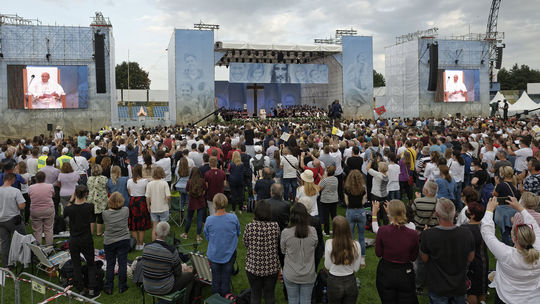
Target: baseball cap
45, 150
65, 150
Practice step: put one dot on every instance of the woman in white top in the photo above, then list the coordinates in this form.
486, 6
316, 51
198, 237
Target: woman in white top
379, 188
432, 172
518, 269
308, 189
164, 162
139, 216
342, 259
393, 177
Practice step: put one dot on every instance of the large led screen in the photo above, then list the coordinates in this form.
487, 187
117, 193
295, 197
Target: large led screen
458, 85
47, 87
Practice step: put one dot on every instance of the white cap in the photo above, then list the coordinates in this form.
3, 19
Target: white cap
23, 141
65, 150
45, 149
258, 149
97, 137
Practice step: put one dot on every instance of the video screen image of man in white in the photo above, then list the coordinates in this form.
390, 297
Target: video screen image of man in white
46, 94
455, 88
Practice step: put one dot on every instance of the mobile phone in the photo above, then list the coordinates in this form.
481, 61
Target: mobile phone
502, 200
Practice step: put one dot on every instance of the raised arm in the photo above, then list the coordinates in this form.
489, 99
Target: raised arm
499, 249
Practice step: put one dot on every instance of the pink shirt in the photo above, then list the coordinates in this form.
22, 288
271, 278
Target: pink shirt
41, 196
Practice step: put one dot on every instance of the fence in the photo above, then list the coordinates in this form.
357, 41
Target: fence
4, 275
38, 290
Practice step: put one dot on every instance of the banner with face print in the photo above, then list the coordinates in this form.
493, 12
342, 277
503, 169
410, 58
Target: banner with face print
277, 73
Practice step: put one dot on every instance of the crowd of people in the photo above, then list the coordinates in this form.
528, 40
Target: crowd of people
293, 111
433, 191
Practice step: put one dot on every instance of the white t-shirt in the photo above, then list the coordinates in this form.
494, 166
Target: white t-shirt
314, 209
288, 170
337, 156
393, 177
457, 171
10, 198
521, 158
158, 191
165, 163
79, 164
340, 270
137, 189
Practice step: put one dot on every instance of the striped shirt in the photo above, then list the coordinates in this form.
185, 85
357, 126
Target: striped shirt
161, 264
424, 207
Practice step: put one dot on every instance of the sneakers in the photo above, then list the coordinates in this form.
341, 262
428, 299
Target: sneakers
363, 262
139, 247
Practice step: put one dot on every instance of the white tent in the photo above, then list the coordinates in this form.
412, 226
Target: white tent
524, 103
498, 97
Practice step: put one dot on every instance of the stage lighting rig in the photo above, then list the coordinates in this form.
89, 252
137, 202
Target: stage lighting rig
205, 26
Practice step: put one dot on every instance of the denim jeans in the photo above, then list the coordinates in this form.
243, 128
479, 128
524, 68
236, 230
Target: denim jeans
221, 276
298, 293
113, 251
289, 188
184, 197
200, 214
237, 196
436, 299
394, 195
457, 195
357, 218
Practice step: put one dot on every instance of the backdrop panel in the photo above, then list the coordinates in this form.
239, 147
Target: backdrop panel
358, 76
194, 52
277, 73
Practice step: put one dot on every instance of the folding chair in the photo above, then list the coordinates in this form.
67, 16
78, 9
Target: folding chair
49, 265
175, 207
202, 266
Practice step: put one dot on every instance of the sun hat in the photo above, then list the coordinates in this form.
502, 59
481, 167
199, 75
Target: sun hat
307, 176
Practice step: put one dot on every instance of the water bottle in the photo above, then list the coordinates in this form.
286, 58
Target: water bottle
324, 298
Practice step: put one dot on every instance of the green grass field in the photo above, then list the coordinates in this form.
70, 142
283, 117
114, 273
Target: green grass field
367, 293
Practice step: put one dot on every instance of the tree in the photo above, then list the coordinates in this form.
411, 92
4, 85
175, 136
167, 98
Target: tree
517, 77
138, 78
378, 79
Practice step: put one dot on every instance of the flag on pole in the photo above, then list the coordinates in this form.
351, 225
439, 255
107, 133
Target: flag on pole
380, 110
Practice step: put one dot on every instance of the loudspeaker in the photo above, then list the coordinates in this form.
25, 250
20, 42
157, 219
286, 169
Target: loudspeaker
433, 66
499, 57
49, 127
99, 47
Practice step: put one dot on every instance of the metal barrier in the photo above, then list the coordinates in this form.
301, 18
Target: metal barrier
6, 273
41, 286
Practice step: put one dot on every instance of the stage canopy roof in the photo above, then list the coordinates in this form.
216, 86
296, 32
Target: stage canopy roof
272, 53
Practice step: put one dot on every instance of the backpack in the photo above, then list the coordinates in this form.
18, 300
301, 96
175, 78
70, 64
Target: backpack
320, 285
258, 164
65, 274
247, 168
100, 275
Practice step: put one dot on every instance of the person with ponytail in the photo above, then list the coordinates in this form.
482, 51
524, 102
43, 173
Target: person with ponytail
397, 245
447, 185
342, 259
518, 268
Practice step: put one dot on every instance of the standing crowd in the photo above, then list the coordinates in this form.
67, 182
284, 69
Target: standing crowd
433, 191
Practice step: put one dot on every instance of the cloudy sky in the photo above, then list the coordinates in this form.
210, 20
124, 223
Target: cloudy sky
144, 27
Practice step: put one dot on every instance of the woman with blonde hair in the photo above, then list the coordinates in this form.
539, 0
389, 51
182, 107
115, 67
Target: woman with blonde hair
355, 197
118, 183
236, 181
342, 259
97, 195
530, 202
518, 268
308, 189
397, 246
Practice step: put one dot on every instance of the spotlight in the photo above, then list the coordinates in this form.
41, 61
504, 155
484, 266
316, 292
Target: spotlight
48, 56
482, 61
1, 55
456, 61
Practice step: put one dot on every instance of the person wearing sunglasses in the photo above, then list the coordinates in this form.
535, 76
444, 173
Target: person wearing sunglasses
518, 270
